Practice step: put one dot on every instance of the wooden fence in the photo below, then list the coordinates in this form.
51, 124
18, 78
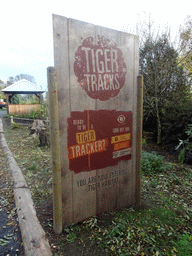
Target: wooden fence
22, 108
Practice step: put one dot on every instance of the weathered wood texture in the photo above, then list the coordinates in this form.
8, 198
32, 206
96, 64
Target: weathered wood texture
33, 236
89, 192
139, 138
55, 150
22, 108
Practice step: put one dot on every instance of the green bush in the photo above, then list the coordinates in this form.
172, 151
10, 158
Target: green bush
185, 144
16, 99
152, 163
40, 113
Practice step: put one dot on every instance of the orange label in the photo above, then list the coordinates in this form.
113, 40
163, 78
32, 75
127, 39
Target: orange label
122, 145
87, 148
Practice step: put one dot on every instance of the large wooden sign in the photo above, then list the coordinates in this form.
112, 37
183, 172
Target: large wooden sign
97, 71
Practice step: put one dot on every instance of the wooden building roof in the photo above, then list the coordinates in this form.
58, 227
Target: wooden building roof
23, 87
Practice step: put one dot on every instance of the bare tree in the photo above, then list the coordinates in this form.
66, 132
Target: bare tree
165, 81
20, 77
186, 46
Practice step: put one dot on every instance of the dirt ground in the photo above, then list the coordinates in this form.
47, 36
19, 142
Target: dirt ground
45, 213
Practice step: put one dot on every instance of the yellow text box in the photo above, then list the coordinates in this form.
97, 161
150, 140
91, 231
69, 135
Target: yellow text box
88, 136
120, 138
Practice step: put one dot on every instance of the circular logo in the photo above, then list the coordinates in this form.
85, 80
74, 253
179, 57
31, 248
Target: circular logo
100, 68
121, 119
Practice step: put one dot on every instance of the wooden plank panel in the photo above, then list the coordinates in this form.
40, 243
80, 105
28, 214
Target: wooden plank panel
128, 101
121, 192
107, 190
111, 36
78, 32
84, 196
60, 36
135, 75
107, 177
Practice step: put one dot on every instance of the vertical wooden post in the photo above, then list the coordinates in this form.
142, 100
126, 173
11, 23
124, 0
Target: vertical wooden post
55, 150
139, 138
7, 100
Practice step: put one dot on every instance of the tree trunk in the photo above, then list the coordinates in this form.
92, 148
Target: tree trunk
158, 117
39, 129
43, 138
158, 128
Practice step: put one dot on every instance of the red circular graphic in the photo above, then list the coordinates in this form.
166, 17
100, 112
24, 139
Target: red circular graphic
100, 68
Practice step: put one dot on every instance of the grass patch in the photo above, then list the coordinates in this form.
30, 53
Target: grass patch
15, 125
162, 226
184, 245
33, 161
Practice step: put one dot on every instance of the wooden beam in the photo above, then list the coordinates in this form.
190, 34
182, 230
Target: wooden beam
139, 138
55, 150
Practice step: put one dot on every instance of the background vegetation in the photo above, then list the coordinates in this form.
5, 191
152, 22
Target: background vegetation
162, 226
167, 83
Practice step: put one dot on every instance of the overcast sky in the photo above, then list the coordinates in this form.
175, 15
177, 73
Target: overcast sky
26, 44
